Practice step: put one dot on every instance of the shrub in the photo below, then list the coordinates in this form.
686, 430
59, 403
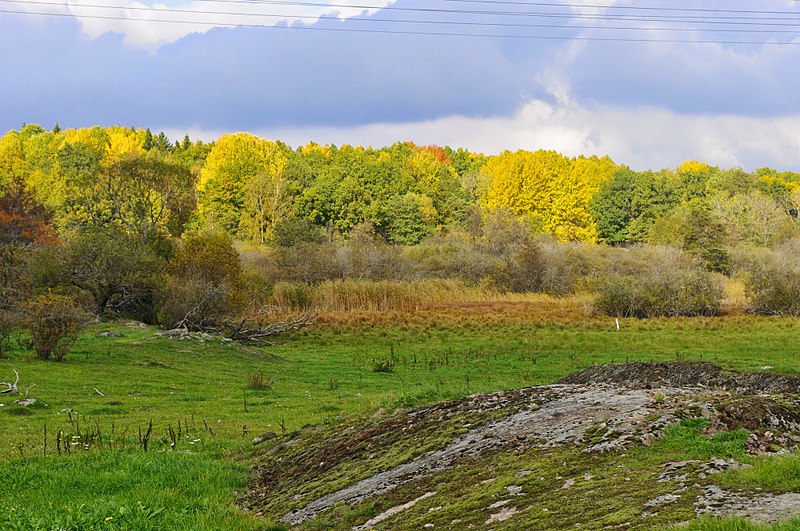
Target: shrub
526, 267
257, 381
772, 284
306, 262
371, 295
207, 256
292, 231
8, 322
120, 272
54, 322
568, 266
448, 256
366, 256
205, 283
668, 285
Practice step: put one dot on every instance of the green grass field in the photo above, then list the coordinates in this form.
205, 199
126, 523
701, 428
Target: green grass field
204, 416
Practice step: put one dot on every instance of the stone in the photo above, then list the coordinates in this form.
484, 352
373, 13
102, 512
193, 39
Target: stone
258, 439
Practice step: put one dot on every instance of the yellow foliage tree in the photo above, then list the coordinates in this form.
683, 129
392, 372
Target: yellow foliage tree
692, 166
12, 160
548, 188
570, 218
124, 143
243, 179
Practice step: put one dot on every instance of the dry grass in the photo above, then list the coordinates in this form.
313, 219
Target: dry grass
390, 295
734, 300
530, 309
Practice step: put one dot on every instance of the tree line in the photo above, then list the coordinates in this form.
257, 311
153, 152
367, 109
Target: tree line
264, 191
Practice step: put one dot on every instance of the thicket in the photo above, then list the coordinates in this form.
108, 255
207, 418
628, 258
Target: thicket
658, 282
771, 278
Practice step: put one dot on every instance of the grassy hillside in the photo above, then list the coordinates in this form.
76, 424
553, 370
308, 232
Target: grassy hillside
198, 395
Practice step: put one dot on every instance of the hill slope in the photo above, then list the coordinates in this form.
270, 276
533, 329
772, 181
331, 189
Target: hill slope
637, 445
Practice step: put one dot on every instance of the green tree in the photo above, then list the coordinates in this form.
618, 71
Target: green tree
145, 196
402, 219
626, 206
704, 236
267, 200
119, 271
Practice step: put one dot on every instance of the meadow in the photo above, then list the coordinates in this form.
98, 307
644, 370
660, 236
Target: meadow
77, 459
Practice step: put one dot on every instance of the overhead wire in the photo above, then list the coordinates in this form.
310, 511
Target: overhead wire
709, 17
384, 20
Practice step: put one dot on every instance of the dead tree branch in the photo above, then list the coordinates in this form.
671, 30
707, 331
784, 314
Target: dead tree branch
258, 334
187, 324
11, 388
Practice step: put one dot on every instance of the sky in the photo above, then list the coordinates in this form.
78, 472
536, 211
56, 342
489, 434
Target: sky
650, 83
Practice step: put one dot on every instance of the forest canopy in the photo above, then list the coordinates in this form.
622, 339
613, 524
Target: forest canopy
264, 191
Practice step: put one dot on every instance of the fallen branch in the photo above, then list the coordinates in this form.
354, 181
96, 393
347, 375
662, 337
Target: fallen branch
11, 388
251, 334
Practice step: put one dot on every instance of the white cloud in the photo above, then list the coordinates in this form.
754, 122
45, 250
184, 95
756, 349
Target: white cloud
150, 26
641, 137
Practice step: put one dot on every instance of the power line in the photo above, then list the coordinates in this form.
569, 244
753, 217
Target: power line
529, 13
716, 19
383, 30
390, 21
507, 2
610, 7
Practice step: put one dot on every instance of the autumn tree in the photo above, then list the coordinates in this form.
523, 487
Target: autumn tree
145, 196
693, 178
21, 234
554, 192
267, 201
570, 218
241, 188
434, 177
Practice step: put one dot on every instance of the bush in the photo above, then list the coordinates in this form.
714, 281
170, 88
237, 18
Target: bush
205, 285
121, 273
448, 256
292, 231
366, 256
772, 283
662, 283
305, 262
54, 322
372, 295
569, 266
8, 322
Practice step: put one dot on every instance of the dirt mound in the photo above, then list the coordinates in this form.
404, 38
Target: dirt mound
646, 375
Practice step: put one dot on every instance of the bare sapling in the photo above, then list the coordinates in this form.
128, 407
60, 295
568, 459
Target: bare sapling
10, 388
